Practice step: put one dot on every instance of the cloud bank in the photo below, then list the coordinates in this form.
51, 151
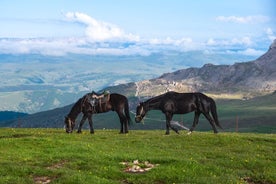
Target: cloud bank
244, 20
101, 37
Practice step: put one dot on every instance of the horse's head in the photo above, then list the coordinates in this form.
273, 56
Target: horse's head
140, 112
69, 124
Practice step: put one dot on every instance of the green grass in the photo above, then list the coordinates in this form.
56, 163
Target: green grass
52, 156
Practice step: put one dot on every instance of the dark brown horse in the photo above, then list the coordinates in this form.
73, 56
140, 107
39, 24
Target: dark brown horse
88, 107
180, 103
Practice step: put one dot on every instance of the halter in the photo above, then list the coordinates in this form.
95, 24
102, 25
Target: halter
70, 123
140, 116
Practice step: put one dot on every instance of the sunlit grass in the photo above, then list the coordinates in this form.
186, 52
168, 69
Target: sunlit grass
51, 155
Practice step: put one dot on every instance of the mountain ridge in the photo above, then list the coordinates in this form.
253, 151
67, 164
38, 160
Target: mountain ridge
247, 79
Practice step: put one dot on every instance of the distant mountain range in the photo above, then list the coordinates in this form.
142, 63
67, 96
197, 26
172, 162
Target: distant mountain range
33, 83
240, 81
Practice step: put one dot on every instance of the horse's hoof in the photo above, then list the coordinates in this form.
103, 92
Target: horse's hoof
189, 133
91, 132
79, 132
167, 133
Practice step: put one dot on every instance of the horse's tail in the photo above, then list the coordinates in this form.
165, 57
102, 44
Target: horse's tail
214, 113
127, 112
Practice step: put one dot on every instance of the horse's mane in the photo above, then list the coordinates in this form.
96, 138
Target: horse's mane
76, 109
154, 98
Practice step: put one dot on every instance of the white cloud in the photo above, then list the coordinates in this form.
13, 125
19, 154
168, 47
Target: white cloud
244, 41
270, 34
243, 20
62, 46
170, 41
98, 30
251, 52
211, 41
45, 46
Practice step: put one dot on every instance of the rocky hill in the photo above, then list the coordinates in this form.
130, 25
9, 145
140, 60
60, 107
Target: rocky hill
240, 80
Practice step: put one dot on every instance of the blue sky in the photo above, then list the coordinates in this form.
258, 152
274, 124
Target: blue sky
120, 27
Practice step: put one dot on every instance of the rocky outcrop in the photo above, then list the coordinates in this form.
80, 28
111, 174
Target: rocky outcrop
248, 78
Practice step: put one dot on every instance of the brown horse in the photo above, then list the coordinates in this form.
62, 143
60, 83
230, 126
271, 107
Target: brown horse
92, 103
172, 103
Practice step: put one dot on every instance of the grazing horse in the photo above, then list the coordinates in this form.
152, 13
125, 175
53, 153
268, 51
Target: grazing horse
92, 103
171, 103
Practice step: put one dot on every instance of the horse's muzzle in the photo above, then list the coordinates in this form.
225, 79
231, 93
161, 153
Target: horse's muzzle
138, 119
69, 131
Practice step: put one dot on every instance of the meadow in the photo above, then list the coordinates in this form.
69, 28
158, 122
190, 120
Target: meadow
52, 156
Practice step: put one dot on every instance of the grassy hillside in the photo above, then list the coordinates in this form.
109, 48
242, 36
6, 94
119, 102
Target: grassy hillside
254, 115
52, 156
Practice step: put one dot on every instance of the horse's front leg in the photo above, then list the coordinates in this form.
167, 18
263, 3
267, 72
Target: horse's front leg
82, 122
196, 117
91, 123
167, 127
168, 120
168, 124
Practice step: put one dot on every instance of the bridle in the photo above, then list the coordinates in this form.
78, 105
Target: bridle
70, 123
140, 113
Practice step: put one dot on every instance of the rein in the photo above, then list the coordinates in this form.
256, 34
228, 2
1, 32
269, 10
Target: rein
139, 116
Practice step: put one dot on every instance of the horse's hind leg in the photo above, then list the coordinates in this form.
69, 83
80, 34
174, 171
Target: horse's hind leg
123, 121
91, 123
211, 121
81, 123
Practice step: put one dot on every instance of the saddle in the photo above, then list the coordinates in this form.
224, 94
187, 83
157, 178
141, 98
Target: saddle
100, 100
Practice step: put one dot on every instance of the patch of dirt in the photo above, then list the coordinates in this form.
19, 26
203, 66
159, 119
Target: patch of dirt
47, 179
42, 179
249, 180
15, 136
138, 167
57, 165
